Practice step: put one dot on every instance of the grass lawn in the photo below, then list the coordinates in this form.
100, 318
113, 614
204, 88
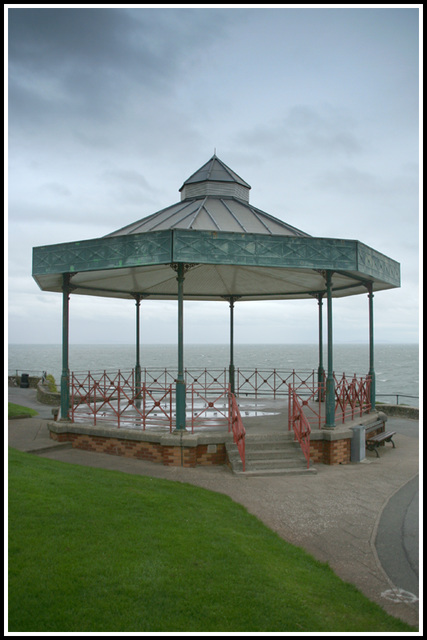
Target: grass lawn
101, 551
16, 411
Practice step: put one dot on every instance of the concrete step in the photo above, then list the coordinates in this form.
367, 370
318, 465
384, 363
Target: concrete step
276, 472
266, 463
271, 445
280, 436
276, 454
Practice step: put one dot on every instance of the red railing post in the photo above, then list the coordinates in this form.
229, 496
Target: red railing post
72, 396
239, 432
144, 404
301, 428
170, 408
192, 407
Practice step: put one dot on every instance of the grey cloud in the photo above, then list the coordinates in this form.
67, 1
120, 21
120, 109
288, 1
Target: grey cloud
70, 42
130, 190
353, 181
56, 189
83, 81
88, 60
305, 131
124, 176
60, 217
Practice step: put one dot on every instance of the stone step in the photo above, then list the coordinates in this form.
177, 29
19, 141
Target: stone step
262, 443
274, 454
275, 462
270, 444
281, 436
275, 472
268, 456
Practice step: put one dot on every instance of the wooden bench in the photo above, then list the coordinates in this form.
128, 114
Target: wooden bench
373, 442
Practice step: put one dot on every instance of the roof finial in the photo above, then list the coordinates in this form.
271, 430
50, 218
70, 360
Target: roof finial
214, 151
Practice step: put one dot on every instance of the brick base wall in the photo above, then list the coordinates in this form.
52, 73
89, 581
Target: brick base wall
330, 451
176, 456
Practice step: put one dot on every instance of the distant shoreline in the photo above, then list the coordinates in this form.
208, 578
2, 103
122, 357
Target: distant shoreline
204, 344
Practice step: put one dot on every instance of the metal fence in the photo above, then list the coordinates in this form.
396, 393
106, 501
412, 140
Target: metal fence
396, 396
119, 397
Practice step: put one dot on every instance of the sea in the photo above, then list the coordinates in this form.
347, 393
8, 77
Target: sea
396, 365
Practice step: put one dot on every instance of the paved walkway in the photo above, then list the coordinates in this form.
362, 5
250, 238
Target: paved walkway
362, 519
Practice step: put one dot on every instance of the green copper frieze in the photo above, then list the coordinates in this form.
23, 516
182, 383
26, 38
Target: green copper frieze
179, 246
103, 253
377, 265
211, 247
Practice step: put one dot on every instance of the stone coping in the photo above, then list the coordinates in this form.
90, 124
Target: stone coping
188, 439
343, 431
176, 438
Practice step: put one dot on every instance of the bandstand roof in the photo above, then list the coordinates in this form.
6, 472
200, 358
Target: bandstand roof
229, 247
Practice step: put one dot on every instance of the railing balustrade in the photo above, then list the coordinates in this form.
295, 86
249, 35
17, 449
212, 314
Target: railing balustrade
114, 397
120, 399
301, 426
352, 397
261, 382
239, 432
211, 404
308, 399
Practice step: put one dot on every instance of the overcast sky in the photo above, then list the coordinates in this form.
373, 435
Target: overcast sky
111, 109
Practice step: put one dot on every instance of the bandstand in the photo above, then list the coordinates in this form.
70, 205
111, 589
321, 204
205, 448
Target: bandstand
212, 245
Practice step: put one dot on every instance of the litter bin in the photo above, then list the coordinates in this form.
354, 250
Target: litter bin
25, 383
357, 445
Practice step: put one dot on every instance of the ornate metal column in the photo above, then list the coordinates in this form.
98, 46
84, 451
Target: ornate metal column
137, 359
371, 344
180, 382
330, 382
320, 370
65, 375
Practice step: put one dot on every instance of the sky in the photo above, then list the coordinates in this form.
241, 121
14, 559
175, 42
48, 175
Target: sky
110, 108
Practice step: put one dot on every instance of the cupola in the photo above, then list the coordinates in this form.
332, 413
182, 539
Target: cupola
215, 179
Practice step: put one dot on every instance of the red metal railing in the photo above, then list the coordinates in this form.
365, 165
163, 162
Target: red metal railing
203, 378
254, 382
207, 379
301, 427
272, 382
114, 398
238, 429
210, 403
308, 400
352, 397
158, 378
157, 408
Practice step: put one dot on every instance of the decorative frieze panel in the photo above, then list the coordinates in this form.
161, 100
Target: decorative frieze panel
377, 265
212, 247
103, 253
348, 257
